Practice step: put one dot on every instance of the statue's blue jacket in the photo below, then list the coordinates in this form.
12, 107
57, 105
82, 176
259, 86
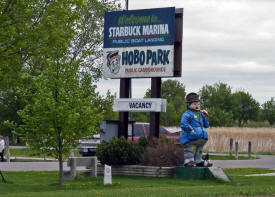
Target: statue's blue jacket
191, 120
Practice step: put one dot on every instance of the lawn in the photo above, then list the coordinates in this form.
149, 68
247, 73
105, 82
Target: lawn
24, 152
219, 157
44, 184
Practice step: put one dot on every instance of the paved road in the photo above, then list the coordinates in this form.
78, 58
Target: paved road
267, 162
30, 166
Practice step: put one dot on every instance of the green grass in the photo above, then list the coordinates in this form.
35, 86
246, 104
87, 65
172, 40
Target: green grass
218, 157
44, 184
24, 152
262, 153
247, 171
253, 153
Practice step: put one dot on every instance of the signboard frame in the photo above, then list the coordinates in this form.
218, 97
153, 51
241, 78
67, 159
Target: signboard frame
121, 53
140, 105
125, 83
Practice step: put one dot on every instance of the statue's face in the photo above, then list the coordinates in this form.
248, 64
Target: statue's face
195, 106
114, 65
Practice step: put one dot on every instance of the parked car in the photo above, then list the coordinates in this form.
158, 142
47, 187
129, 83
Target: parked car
143, 129
88, 146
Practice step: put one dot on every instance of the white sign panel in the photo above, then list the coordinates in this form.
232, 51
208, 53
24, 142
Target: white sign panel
156, 61
140, 105
107, 175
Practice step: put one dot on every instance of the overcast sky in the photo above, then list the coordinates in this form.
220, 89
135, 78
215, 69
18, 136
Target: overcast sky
228, 41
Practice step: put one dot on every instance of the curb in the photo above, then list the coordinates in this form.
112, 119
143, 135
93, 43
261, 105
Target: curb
30, 159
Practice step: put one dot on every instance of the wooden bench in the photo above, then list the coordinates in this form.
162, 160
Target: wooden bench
90, 164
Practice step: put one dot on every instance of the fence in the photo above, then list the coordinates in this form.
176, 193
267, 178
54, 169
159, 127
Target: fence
262, 139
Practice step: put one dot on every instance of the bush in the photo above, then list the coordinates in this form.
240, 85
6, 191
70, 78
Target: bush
163, 152
119, 152
220, 117
143, 141
256, 124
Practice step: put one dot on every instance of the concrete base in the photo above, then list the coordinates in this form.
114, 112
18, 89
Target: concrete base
200, 173
218, 173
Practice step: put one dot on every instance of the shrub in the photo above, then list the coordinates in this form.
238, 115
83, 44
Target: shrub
143, 141
163, 152
119, 152
256, 124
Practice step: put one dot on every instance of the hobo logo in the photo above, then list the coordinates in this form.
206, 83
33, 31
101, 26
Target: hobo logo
113, 61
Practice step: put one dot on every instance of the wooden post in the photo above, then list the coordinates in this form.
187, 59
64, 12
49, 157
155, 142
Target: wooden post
230, 147
124, 92
249, 149
7, 143
237, 150
178, 42
155, 116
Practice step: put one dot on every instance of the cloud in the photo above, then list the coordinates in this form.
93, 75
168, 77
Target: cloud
223, 41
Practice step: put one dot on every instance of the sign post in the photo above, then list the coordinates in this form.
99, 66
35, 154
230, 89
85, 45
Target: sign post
125, 85
155, 116
125, 92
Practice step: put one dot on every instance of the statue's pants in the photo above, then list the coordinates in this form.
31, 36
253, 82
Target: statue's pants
193, 151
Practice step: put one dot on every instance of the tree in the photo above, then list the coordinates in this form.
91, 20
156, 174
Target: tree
106, 106
172, 89
217, 96
49, 54
245, 107
169, 118
217, 99
269, 111
219, 117
30, 32
174, 92
10, 103
60, 111
32, 29
86, 45
33, 32
223, 103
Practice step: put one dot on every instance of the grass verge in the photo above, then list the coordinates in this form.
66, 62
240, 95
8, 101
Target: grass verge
44, 184
24, 152
244, 153
218, 157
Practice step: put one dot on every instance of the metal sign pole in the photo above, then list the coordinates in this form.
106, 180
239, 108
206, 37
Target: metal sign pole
125, 90
123, 116
155, 116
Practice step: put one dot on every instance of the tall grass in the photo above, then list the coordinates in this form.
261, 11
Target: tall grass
262, 139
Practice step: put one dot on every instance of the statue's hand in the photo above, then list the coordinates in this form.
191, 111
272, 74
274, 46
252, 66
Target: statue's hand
204, 113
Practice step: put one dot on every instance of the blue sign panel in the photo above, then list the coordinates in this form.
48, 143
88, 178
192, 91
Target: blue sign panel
139, 43
148, 27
